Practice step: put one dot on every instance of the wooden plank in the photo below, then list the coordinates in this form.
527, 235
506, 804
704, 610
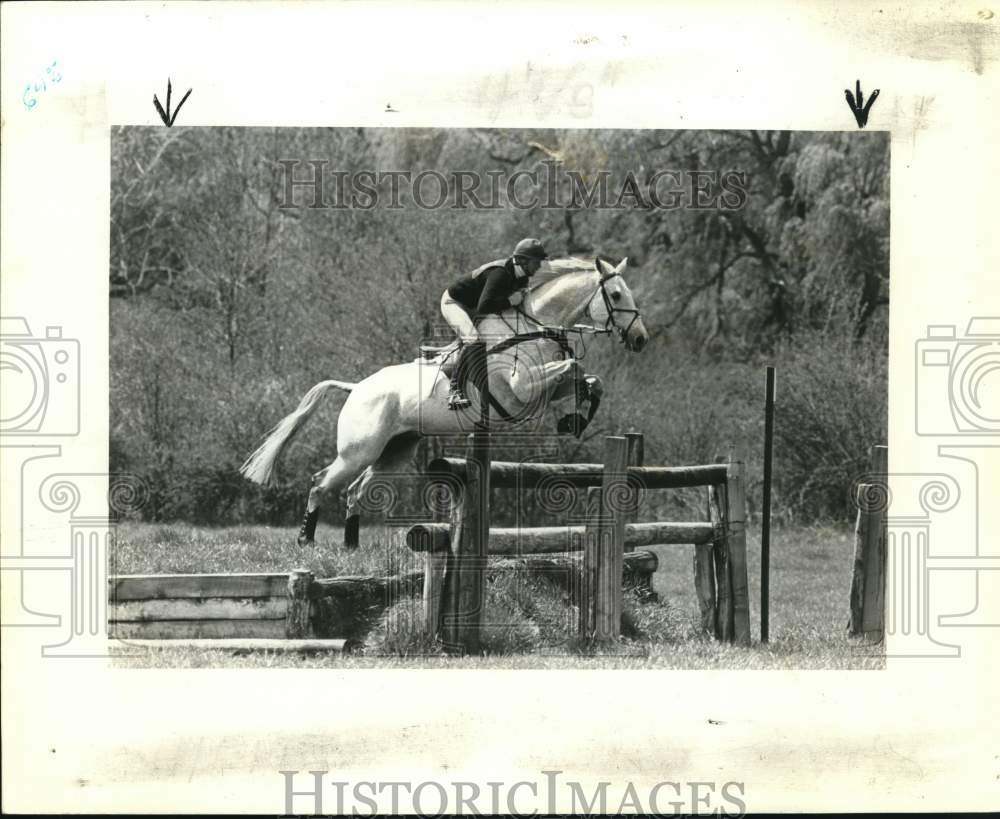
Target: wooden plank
186, 629
166, 586
211, 608
241, 645
297, 625
547, 539
527, 475
738, 554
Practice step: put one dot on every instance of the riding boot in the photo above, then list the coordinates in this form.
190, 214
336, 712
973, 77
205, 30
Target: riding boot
307, 533
457, 399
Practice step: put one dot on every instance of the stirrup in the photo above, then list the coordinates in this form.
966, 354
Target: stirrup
457, 401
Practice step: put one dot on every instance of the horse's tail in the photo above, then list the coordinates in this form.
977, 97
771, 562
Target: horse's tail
260, 466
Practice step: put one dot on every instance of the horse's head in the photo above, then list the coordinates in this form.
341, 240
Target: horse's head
614, 307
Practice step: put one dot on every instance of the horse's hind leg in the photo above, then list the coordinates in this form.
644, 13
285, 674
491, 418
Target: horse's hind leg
352, 517
396, 458
332, 479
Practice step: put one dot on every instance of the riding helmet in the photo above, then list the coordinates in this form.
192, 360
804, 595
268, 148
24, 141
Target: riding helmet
530, 249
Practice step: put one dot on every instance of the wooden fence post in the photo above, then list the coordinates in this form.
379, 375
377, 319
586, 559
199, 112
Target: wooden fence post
854, 627
704, 585
297, 617
636, 449
765, 520
587, 596
636, 457
435, 565
736, 513
870, 546
718, 515
611, 541
465, 574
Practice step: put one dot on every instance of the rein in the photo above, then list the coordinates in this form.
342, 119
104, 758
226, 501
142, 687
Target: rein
610, 324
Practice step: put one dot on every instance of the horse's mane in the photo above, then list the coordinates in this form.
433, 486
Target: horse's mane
556, 269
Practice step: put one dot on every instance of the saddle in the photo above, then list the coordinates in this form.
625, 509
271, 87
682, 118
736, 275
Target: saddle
443, 355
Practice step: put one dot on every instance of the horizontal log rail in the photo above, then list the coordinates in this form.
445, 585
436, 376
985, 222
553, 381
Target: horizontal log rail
528, 475
436, 537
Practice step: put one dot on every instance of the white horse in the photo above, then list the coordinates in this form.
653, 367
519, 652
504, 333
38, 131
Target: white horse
387, 413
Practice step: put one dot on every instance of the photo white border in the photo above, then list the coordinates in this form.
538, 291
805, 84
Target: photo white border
82, 737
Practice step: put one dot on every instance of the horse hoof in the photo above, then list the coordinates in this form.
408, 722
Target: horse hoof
305, 541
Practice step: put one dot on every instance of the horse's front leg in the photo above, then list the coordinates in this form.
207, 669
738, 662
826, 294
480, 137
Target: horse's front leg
535, 388
539, 384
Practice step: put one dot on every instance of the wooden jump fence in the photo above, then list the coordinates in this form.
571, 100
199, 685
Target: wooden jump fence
457, 554
280, 611
246, 611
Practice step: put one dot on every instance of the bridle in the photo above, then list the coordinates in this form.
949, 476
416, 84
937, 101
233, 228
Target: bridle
610, 323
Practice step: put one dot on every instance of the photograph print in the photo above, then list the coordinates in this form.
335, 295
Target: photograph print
494, 398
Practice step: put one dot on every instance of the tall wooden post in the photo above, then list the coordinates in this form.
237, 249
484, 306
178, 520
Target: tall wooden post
704, 573
587, 596
870, 535
435, 564
636, 449
737, 541
765, 525
465, 574
718, 515
635, 457
605, 548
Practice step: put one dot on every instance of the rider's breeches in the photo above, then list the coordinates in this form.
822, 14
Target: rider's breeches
456, 316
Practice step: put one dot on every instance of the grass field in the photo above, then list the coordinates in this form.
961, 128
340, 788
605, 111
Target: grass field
531, 624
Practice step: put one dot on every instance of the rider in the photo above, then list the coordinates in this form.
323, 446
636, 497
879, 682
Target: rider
491, 288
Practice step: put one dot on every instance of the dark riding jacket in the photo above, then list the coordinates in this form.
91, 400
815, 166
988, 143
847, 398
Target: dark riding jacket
488, 288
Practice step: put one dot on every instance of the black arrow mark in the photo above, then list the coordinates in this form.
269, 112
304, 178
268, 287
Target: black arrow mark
860, 113
168, 120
